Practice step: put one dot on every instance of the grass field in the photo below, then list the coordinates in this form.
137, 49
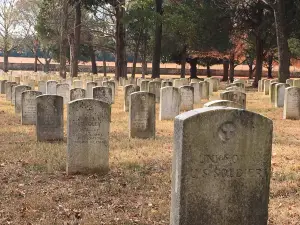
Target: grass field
34, 188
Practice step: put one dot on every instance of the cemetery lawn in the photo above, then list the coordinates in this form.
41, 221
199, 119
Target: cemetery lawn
34, 188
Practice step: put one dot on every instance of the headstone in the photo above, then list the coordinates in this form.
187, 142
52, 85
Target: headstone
145, 85
28, 107
51, 87
186, 98
178, 83
18, 80
235, 96
240, 84
99, 81
272, 92
112, 85
88, 136
279, 94
18, 97
225, 103
260, 86
128, 90
169, 103
42, 86
8, 89
13, 94
103, 94
64, 91
267, 86
77, 84
197, 93
221, 168
291, 108
210, 83
142, 115
50, 119
89, 89
166, 84
215, 82
77, 93
2, 86
235, 88
154, 88
296, 83
204, 89
185, 81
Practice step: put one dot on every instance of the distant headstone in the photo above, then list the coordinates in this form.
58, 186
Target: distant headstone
99, 81
88, 137
89, 89
235, 96
279, 94
215, 82
145, 85
218, 175
178, 83
112, 85
18, 97
13, 94
296, 83
186, 98
28, 107
166, 84
272, 92
154, 88
142, 115
267, 86
197, 93
18, 80
128, 90
204, 89
77, 93
50, 119
291, 108
51, 87
103, 94
77, 84
210, 83
2, 86
260, 86
64, 91
42, 86
8, 89
169, 103
225, 103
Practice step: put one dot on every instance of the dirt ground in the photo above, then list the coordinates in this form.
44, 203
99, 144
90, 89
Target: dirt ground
34, 188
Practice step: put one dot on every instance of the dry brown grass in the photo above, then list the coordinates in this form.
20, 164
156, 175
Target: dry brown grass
34, 188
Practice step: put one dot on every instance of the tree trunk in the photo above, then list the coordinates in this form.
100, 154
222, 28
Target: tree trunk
136, 55
259, 60
46, 66
63, 41
158, 36
121, 62
208, 72
225, 69
72, 53
270, 65
193, 69
144, 59
76, 47
104, 64
93, 60
282, 41
183, 63
5, 60
231, 67
250, 64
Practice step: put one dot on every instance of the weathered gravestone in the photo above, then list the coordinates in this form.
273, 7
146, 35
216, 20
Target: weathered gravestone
18, 97
112, 85
77, 84
291, 108
88, 136
145, 85
169, 103
42, 86
50, 119
89, 89
63, 90
296, 83
267, 86
28, 107
13, 94
279, 94
260, 86
204, 89
51, 87
128, 90
77, 93
2, 86
142, 115
235, 96
210, 85
154, 88
221, 167
197, 93
272, 92
225, 103
186, 98
215, 83
8, 89
103, 94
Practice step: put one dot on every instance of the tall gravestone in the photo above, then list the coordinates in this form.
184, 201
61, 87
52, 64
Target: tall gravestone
267, 86
42, 86
128, 90
8, 90
225, 103
204, 89
235, 96
272, 92
142, 115
18, 97
64, 91
103, 94
221, 167
89, 89
197, 93
50, 119
186, 98
154, 88
51, 87
291, 108
2, 86
77, 93
145, 85
88, 136
279, 94
169, 103
28, 107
